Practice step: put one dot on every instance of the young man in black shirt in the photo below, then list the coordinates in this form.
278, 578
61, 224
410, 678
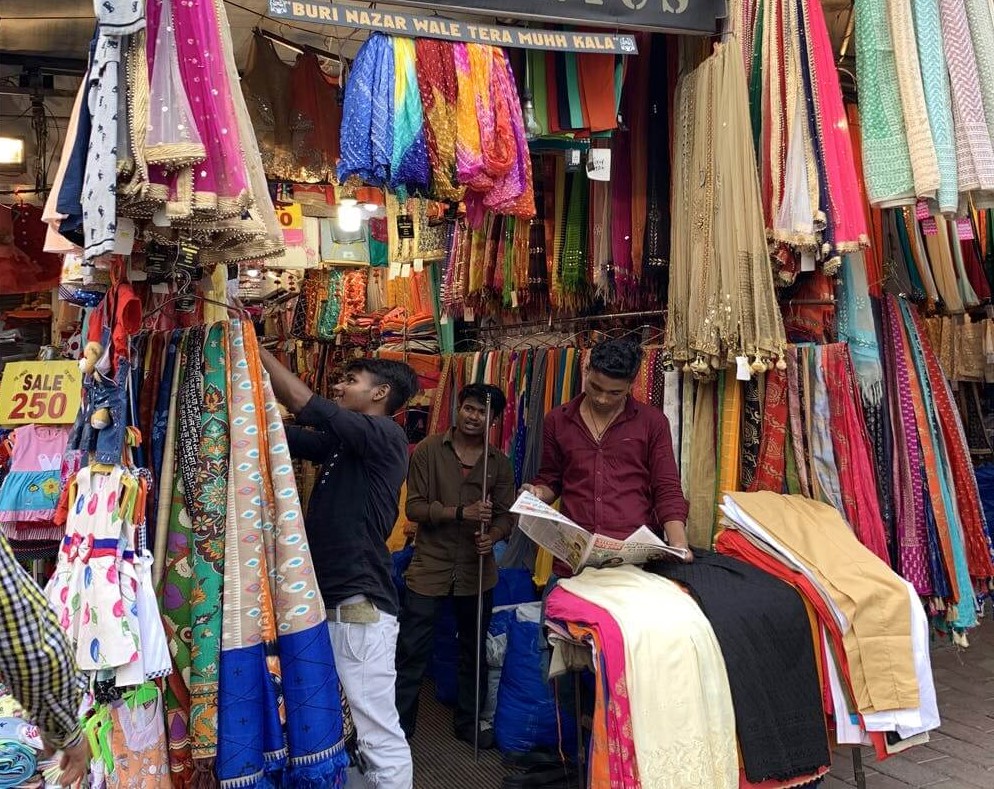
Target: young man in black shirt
352, 510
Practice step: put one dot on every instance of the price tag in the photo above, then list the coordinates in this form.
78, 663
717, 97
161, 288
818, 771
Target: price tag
743, 372
42, 393
291, 219
468, 315
599, 164
405, 226
394, 270
419, 265
964, 228
405, 270
807, 261
514, 299
444, 320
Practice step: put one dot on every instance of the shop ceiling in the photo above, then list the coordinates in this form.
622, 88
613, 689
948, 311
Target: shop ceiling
55, 33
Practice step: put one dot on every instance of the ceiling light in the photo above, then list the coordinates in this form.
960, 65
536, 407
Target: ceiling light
12, 155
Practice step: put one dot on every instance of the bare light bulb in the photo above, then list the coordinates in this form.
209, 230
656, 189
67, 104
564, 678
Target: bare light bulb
349, 215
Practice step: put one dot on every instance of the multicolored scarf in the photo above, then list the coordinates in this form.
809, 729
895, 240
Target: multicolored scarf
279, 699
409, 160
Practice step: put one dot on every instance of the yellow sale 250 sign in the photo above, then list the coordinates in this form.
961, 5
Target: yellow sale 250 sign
45, 393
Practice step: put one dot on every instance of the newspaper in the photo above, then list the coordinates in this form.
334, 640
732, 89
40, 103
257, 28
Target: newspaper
576, 546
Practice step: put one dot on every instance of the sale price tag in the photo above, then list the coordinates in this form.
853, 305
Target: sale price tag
291, 219
42, 393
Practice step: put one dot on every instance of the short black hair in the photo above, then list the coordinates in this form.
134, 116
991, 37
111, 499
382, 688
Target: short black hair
617, 359
400, 377
479, 393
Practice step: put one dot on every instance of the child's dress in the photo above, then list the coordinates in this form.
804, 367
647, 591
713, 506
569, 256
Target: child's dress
30, 491
94, 588
138, 741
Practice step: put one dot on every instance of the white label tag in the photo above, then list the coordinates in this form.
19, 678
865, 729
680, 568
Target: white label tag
743, 372
394, 270
124, 236
807, 261
599, 164
444, 320
419, 265
514, 299
159, 218
405, 270
468, 315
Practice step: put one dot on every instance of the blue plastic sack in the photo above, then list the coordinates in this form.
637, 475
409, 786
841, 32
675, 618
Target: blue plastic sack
514, 586
525, 718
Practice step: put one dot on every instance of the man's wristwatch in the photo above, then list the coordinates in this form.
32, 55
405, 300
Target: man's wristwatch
459, 514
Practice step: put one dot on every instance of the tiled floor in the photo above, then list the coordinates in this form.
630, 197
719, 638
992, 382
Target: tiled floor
959, 756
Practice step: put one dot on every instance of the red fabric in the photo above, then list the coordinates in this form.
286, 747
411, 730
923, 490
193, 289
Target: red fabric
597, 89
24, 267
771, 466
628, 480
851, 445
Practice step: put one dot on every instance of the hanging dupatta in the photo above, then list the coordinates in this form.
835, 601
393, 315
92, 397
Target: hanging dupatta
949, 537
436, 78
978, 547
909, 515
770, 468
798, 436
208, 550
280, 706
409, 159
852, 451
367, 114
752, 426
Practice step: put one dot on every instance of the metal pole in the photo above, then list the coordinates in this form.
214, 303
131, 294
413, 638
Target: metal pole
857, 767
479, 587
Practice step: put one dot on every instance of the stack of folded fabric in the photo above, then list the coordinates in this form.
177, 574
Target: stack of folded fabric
872, 628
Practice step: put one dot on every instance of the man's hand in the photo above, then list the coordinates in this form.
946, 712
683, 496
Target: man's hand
538, 491
478, 512
484, 544
75, 763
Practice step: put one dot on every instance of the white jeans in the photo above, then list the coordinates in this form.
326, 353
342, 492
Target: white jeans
365, 656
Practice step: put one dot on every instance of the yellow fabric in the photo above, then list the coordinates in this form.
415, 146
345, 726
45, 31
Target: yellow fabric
543, 568
731, 437
398, 537
869, 594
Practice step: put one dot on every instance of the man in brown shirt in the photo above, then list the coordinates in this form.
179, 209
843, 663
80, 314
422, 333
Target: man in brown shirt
445, 500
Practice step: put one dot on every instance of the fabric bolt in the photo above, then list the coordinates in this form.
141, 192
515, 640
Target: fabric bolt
683, 730
766, 644
878, 639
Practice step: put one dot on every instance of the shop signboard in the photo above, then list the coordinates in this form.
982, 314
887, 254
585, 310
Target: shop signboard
413, 26
40, 393
674, 16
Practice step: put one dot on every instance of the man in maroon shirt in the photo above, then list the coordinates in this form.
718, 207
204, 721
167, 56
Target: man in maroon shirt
609, 458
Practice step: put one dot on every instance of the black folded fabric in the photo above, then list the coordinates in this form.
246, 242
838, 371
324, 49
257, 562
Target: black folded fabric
766, 641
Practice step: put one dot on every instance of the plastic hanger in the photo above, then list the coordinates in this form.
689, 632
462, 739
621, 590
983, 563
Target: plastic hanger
142, 695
